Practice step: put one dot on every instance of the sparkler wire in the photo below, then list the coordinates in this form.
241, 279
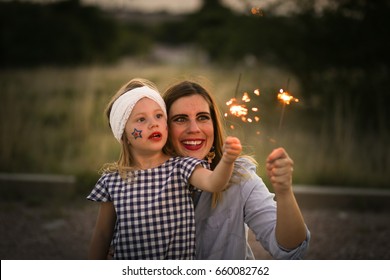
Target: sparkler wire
237, 86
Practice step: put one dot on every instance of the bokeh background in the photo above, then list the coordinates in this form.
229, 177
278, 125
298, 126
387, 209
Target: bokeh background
61, 61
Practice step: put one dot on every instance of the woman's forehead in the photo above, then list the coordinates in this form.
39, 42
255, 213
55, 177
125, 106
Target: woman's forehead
190, 104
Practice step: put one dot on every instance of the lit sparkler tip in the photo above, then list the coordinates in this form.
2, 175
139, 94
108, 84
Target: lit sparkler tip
285, 97
238, 110
237, 107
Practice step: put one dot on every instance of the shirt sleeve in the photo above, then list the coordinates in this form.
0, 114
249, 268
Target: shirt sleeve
260, 216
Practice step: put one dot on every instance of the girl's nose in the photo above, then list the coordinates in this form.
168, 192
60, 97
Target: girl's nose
153, 124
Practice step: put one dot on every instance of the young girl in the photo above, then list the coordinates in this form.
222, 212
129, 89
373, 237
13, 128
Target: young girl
146, 211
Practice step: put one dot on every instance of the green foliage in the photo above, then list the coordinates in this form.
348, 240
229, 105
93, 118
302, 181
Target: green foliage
63, 33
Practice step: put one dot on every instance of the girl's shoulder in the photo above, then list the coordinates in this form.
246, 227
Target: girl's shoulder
108, 176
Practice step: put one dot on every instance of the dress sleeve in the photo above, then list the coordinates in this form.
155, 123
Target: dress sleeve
260, 216
100, 192
187, 166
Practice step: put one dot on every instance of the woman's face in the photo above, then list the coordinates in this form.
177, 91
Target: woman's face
191, 130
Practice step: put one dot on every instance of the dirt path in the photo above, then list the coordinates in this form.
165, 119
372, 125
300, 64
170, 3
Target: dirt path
63, 231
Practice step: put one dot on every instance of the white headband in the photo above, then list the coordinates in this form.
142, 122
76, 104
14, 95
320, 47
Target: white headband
123, 106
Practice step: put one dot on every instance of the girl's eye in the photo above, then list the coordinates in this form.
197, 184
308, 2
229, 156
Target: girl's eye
141, 120
159, 116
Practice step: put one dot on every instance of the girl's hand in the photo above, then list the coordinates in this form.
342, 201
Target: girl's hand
231, 149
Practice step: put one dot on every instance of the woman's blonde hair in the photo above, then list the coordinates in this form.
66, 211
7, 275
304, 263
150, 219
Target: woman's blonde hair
126, 161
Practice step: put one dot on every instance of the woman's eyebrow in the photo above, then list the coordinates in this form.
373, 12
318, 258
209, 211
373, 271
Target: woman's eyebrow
178, 115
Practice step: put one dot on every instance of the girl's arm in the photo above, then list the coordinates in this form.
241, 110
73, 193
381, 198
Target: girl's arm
104, 228
216, 180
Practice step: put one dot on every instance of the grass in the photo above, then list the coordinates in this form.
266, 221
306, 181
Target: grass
52, 122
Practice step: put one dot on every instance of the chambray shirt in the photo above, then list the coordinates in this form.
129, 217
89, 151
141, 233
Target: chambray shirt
221, 233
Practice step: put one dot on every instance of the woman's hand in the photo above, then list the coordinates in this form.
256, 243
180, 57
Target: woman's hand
279, 170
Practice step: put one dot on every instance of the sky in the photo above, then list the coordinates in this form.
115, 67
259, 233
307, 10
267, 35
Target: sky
187, 6
171, 6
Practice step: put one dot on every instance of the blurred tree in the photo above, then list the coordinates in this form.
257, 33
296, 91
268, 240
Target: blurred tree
340, 54
63, 33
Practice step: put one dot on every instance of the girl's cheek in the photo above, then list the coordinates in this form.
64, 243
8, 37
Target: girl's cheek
136, 133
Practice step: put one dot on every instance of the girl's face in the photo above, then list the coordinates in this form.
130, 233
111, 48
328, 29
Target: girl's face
146, 128
191, 127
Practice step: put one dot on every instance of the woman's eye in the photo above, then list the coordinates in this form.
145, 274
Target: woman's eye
204, 118
180, 119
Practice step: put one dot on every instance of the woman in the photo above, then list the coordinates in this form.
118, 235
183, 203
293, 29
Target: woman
222, 218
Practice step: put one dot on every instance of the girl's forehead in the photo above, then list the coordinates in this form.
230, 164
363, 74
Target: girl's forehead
145, 103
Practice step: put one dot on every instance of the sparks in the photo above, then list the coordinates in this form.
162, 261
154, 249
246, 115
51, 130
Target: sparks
245, 97
240, 108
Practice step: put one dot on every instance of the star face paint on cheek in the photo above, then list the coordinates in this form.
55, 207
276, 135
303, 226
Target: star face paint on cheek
137, 133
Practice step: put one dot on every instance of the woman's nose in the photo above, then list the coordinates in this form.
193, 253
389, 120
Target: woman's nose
193, 127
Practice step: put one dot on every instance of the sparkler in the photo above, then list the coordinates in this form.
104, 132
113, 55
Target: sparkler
239, 107
286, 99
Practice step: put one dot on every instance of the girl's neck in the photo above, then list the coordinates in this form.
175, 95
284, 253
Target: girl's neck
150, 161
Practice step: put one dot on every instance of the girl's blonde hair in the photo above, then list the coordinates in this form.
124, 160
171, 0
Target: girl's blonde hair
126, 161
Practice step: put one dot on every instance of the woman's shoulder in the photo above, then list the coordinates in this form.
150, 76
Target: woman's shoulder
246, 163
245, 175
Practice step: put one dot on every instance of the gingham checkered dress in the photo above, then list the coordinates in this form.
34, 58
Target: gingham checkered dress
155, 215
